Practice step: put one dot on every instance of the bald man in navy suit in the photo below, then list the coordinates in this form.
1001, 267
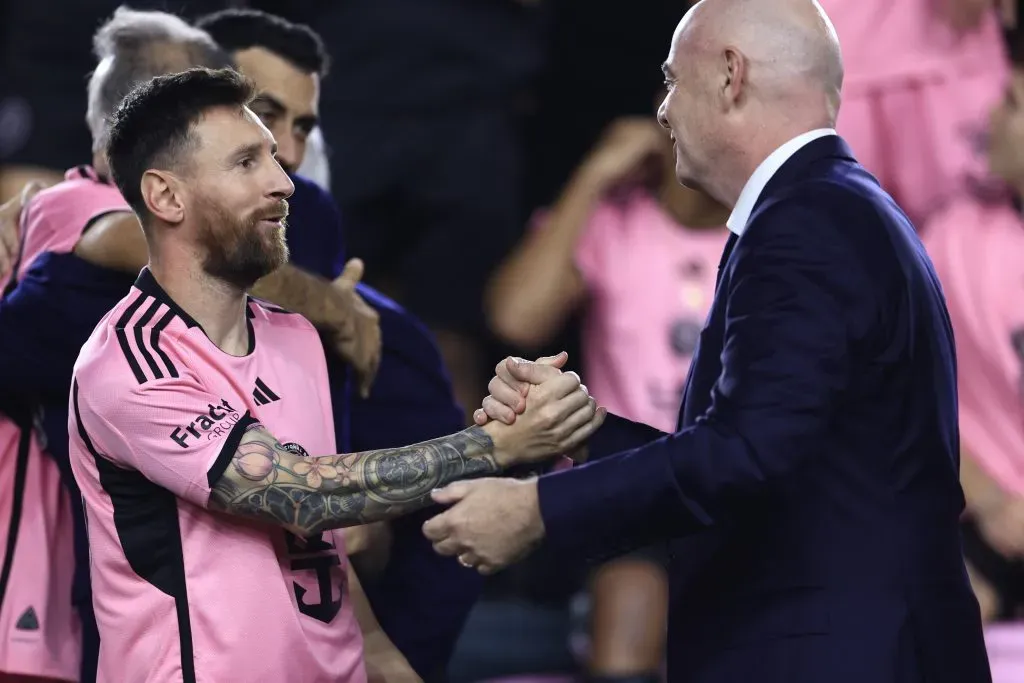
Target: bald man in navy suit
809, 498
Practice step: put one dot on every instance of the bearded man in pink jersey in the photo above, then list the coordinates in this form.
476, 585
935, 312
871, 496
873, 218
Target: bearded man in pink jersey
201, 425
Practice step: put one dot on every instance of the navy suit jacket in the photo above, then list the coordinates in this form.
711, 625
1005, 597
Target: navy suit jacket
809, 496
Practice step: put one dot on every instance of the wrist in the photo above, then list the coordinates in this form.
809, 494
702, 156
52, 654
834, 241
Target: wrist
498, 434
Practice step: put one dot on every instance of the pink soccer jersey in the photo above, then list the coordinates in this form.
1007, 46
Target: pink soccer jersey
650, 283
183, 593
977, 251
39, 630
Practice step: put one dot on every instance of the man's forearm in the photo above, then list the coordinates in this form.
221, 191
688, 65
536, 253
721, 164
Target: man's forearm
296, 290
308, 495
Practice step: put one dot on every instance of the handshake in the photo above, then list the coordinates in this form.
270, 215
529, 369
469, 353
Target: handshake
535, 411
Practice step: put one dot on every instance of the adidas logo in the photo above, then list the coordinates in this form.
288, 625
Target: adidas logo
28, 621
262, 394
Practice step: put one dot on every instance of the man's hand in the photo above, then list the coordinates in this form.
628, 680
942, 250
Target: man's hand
357, 340
1002, 527
10, 230
561, 416
511, 384
624, 149
491, 524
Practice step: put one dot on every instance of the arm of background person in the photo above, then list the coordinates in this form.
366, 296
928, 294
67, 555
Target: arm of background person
413, 401
541, 283
629, 618
784, 361
384, 663
538, 286
116, 241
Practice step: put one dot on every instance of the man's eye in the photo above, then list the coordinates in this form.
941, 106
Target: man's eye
247, 162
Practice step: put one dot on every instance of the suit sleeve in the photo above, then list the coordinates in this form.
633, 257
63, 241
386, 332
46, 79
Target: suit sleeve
784, 366
618, 434
173, 431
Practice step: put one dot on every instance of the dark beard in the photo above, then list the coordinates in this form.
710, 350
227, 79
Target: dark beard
236, 251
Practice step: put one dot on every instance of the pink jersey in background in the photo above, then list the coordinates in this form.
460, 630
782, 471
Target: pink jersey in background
40, 633
978, 252
650, 284
909, 40
183, 593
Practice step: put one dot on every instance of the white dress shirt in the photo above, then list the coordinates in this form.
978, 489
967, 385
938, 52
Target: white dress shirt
763, 173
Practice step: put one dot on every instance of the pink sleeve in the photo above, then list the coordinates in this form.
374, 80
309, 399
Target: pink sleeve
172, 431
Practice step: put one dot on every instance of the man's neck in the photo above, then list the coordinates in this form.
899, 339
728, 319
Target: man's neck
218, 307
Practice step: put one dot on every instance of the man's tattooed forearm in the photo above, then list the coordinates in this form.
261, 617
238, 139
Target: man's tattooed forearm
316, 493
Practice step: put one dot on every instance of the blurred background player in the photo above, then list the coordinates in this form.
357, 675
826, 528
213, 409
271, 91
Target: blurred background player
976, 244
921, 76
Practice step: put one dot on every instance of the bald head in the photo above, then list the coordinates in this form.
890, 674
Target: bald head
743, 77
790, 48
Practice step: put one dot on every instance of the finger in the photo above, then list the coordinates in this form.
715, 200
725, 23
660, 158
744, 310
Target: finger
453, 493
480, 417
469, 559
502, 372
579, 417
524, 371
448, 547
580, 436
559, 387
31, 189
569, 407
496, 410
554, 361
486, 569
503, 393
438, 528
352, 273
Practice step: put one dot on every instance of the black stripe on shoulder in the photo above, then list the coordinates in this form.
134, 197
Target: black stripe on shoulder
155, 341
148, 284
122, 337
220, 465
140, 342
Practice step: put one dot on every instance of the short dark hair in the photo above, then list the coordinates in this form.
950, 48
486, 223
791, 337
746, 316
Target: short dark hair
153, 125
240, 29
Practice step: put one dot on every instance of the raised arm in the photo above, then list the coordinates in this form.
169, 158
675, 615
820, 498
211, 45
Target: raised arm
540, 284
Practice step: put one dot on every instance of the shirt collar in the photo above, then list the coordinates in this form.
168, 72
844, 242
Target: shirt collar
763, 173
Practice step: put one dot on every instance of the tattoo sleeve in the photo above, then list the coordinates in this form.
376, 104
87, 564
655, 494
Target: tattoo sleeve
306, 495
304, 293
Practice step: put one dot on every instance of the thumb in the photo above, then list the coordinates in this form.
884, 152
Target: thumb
451, 494
530, 372
352, 273
555, 361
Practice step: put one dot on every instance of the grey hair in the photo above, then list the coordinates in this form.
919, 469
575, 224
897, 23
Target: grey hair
133, 47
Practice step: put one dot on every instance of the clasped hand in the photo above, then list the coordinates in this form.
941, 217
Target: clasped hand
534, 412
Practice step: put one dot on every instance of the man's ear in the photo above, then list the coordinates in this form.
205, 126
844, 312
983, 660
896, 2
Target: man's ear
162, 193
734, 75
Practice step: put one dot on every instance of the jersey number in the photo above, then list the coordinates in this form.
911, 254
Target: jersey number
317, 555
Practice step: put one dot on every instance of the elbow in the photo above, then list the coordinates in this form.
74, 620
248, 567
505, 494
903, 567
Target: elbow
517, 328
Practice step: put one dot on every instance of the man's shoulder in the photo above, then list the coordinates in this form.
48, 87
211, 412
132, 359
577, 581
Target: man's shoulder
135, 343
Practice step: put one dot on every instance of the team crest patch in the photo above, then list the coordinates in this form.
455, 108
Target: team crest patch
295, 449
